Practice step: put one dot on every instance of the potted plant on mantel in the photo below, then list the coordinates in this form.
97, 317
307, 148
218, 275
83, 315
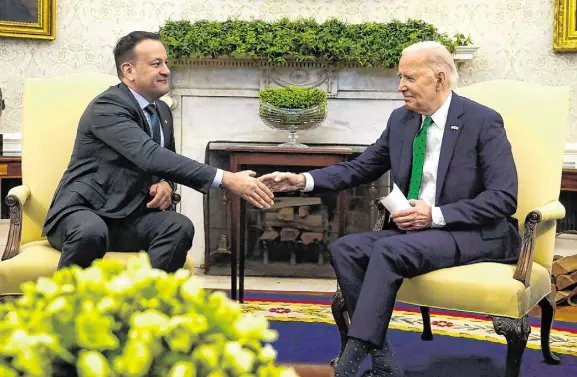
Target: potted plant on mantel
292, 109
114, 321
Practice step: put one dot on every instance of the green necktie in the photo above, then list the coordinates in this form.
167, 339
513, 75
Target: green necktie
419, 149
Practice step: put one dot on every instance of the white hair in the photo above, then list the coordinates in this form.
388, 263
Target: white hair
439, 59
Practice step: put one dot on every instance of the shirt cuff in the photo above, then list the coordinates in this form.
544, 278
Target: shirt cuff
217, 178
438, 218
309, 182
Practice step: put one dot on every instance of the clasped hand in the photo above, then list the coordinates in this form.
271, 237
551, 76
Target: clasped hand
278, 182
249, 188
416, 218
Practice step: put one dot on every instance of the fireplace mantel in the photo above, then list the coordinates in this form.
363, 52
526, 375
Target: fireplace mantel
217, 100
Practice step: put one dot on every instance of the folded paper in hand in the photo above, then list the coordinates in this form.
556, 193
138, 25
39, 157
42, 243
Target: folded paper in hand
395, 201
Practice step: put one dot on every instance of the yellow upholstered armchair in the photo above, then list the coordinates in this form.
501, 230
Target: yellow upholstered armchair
52, 108
535, 120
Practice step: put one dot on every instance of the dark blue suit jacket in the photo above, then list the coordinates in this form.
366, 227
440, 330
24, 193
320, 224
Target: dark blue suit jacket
476, 180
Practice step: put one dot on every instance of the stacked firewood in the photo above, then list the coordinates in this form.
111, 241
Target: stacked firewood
295, 219
565, 280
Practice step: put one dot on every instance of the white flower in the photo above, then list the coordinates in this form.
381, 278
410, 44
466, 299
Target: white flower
120, 284
242, 360
267, 353
255, 327
191, 290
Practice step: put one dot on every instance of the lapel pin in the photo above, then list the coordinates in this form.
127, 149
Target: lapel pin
165, 121
455, 128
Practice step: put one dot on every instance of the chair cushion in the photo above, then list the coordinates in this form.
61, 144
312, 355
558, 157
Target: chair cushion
485, 288
38, 259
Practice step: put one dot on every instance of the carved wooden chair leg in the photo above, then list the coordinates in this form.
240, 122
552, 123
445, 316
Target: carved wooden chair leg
547, 305
427, 332
516, 331
340, 316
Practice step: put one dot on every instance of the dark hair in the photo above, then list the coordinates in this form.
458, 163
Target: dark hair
124, 49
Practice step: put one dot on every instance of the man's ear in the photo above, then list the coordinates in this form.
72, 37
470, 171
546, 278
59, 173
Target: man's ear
127, 69
441, 80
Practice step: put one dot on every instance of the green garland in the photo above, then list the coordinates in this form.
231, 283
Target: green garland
367, 44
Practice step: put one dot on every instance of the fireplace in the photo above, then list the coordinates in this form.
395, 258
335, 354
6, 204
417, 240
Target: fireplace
291, 239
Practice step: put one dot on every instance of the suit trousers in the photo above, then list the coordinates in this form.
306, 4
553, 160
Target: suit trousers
84, 236
370, 268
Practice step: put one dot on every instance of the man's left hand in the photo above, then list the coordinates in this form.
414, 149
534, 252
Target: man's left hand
418, 217
161, 193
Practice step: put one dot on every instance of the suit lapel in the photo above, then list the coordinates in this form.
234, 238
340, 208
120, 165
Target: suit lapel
412, 125
142, 122
450, 135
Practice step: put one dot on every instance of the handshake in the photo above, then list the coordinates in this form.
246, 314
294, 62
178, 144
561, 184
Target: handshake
259, 191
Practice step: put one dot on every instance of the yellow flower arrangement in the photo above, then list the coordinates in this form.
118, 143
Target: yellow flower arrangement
114, 321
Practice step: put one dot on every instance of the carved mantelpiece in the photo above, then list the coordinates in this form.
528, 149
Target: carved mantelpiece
217, 100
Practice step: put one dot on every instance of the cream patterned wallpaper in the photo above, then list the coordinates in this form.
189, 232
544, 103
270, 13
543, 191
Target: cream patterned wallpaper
514, 36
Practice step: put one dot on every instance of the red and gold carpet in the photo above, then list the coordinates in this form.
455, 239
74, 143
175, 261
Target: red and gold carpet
464, 344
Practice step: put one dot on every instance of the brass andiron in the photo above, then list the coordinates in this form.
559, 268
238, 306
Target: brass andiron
223, 244
223, 247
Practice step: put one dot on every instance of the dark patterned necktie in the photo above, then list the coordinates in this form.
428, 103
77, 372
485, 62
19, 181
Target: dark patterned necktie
419, 149
154, 122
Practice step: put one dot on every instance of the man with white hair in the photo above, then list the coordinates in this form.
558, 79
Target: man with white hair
451, 157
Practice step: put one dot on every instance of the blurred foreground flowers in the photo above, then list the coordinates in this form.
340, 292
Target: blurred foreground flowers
135, 321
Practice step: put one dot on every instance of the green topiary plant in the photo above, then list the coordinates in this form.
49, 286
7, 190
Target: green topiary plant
112, 321
369, 44
292, 108
293, 97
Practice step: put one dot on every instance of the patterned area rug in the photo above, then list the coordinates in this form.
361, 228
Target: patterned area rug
464, 344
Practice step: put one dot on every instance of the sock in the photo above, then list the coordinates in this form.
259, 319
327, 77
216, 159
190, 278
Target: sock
355, 351
384, 362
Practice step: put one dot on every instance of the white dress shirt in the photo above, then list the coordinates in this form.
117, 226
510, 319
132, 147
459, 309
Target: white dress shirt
428, 188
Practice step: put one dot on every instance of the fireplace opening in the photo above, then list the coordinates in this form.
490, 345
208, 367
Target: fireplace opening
291, 239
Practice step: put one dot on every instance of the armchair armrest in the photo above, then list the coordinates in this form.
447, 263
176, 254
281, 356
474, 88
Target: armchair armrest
16, 199
548, 212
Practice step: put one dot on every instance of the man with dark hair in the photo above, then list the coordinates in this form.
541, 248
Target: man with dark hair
124, 169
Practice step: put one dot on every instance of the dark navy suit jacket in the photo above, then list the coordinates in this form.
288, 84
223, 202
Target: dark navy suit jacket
476, 180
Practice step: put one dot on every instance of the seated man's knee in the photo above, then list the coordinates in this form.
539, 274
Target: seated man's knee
180, 232
184, 229
341, 246
392, 251
82, 242
92, 235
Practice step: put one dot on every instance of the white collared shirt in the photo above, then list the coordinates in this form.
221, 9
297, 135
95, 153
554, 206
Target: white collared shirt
428, 188
435, 133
